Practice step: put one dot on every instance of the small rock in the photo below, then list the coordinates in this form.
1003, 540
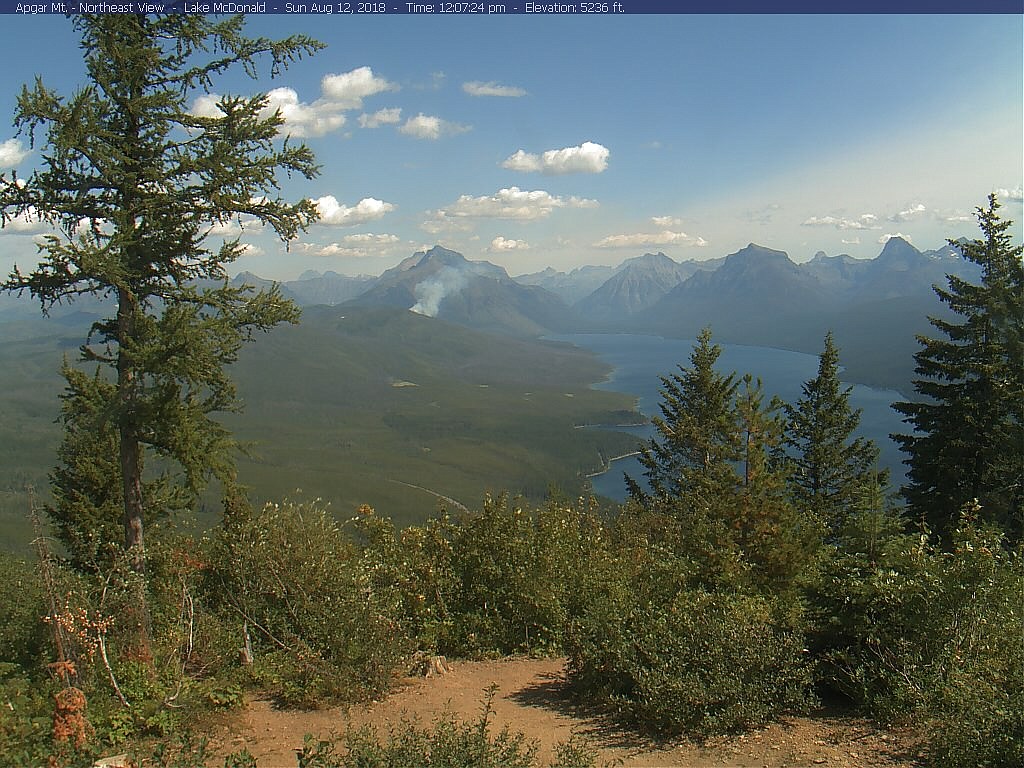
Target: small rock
820, 760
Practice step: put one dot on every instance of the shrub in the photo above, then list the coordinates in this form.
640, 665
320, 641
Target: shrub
449, 743
515, 573
22, 631
701, 664
915, 630
323, 626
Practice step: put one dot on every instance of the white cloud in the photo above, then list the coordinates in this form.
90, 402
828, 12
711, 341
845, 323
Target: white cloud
914, 210
430, 127
206, 106
886, 238
369, 237
1015, 195
316, 119
361, 246
499, 244
27, 223
852, 241
476, 88
666, 222
347, 90
588, 157
248, 249
300, 119
511, 203
642, 239
338, 94
381, 117
11, 153
333, 213
864, 221
235, 226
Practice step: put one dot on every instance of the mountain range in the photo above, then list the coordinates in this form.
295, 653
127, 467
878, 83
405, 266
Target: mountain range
756, 296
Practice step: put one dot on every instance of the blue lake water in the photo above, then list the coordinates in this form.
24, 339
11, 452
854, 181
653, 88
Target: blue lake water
638, 361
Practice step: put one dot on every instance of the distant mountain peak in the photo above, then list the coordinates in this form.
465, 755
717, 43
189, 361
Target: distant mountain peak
758, 254
898, 251
442, 255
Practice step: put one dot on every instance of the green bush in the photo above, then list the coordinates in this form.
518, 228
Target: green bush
910, 629
323, 625
701, 663
25, 718
514, 573
449, 743
23, 635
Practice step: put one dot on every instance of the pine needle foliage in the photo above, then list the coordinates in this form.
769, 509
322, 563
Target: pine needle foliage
968, 439
133, 184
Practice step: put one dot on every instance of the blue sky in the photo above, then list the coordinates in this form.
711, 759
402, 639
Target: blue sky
535, 141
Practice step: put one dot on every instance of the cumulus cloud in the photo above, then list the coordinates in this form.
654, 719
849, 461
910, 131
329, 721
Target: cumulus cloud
316, 119
1015, 195
234, 227
864, 221
510, 203
886, 238
665, 222
588, 157
430, 127
335, 214
476, 88
248, 249
381, 117
338, 94
11, 153
500, 244
359, 246
347, 90
913, 211
643, 239
27, 223
371, 238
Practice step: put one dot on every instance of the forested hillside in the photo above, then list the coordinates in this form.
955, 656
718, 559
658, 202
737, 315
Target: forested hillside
759, 571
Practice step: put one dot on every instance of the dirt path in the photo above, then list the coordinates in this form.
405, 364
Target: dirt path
530, 698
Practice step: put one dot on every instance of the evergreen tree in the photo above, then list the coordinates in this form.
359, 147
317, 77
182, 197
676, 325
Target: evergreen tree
775, 539
832, 471
88, 503
133, 184
692, 455
969, 422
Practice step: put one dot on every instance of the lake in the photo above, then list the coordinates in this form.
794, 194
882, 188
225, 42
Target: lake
639, 361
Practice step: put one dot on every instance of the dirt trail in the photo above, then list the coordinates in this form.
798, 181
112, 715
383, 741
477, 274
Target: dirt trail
530, 697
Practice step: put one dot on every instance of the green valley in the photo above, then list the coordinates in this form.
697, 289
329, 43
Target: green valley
373, 406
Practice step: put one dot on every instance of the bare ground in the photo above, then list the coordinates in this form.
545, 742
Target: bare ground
531, 697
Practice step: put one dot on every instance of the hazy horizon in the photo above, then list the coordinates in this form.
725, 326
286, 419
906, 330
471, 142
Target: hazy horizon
564, 141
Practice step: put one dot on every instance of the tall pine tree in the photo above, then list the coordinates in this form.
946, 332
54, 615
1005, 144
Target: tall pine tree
697, 440
968, 441
833, 472
133, 184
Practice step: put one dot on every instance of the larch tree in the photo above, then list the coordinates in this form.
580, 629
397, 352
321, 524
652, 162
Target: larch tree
833, 472
133, 184
968, 439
